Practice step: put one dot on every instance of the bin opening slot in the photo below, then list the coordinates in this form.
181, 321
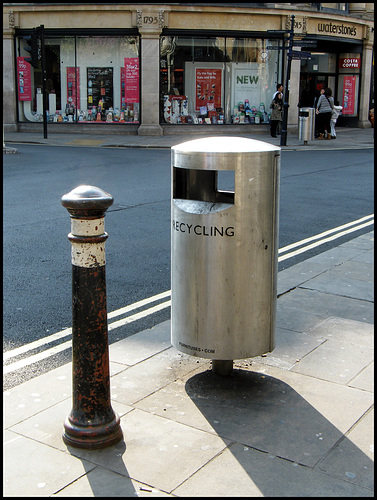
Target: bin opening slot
202, 185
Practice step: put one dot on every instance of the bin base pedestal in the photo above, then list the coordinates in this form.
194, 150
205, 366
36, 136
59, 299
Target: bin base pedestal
223, 367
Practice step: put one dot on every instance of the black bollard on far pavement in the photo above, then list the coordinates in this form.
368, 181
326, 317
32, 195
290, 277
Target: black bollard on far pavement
92, 423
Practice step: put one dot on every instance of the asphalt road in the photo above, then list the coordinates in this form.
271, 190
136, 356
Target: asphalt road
319, 190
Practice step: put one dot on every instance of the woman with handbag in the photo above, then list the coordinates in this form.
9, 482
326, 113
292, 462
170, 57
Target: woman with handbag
325, 105
276, 113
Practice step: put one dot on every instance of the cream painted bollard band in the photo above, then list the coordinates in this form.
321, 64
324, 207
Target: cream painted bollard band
88, 242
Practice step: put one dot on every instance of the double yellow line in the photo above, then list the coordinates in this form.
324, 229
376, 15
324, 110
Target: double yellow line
284, 253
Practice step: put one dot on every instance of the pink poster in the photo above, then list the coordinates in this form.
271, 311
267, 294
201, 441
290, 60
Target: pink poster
208, 87
131, 79
23, 79
349, 91
73, 90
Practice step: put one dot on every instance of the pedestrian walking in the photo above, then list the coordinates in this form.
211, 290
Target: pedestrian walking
334, 116
324, 109
276, 113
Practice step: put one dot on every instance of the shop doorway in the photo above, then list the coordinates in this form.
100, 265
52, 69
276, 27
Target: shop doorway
310, 86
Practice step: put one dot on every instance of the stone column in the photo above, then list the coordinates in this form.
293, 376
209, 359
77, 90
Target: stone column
357, 8
365, 81
150, 23
294, 95
9, 88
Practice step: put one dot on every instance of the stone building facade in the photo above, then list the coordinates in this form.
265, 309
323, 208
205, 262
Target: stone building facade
151, 69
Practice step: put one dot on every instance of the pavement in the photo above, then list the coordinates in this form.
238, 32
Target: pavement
296, 422
349, 138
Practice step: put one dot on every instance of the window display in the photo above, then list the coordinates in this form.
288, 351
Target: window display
90, 79
216, 80
348, 82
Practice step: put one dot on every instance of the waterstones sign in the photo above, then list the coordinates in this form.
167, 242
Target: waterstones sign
336, 29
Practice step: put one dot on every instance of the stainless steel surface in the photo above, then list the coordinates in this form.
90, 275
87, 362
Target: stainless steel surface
306, 126
224, 248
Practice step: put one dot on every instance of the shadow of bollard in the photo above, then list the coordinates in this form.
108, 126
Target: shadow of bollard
102, 481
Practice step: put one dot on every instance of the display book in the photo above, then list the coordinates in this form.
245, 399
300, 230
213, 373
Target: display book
244, 113
176, 111
97, 114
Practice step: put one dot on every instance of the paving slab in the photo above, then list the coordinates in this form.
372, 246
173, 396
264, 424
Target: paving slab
148, 376
363, 242
240, 471
291, 348
303, 301
335, 256
136, 348
296, 275
365, 379
34, 469
100, 482
344, 280
367, 256
47, 426
335, 361
156, 451
40, 393
354, 332
342, 463
36, 395
290, 316
273, 410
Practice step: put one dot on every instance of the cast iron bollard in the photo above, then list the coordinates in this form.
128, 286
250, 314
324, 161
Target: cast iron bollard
92, 423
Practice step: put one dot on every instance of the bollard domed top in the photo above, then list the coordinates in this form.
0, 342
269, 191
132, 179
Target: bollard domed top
87, 201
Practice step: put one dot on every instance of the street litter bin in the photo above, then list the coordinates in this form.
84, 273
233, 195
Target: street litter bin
306, 124
224, 248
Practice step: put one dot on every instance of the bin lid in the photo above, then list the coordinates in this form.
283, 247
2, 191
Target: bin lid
220, 152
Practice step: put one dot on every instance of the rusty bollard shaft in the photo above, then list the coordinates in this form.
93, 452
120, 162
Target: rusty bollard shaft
92, 423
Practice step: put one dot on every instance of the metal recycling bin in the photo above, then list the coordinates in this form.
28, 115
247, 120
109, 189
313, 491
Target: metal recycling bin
306, 126
224, 248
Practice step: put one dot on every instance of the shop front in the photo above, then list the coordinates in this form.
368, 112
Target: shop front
89, 79
217, 80
154, 69
340, 53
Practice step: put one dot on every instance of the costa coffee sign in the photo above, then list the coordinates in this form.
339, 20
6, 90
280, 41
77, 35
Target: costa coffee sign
349, 62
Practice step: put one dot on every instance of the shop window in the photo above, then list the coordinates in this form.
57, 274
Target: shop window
252, 77
216, 80
89, 79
